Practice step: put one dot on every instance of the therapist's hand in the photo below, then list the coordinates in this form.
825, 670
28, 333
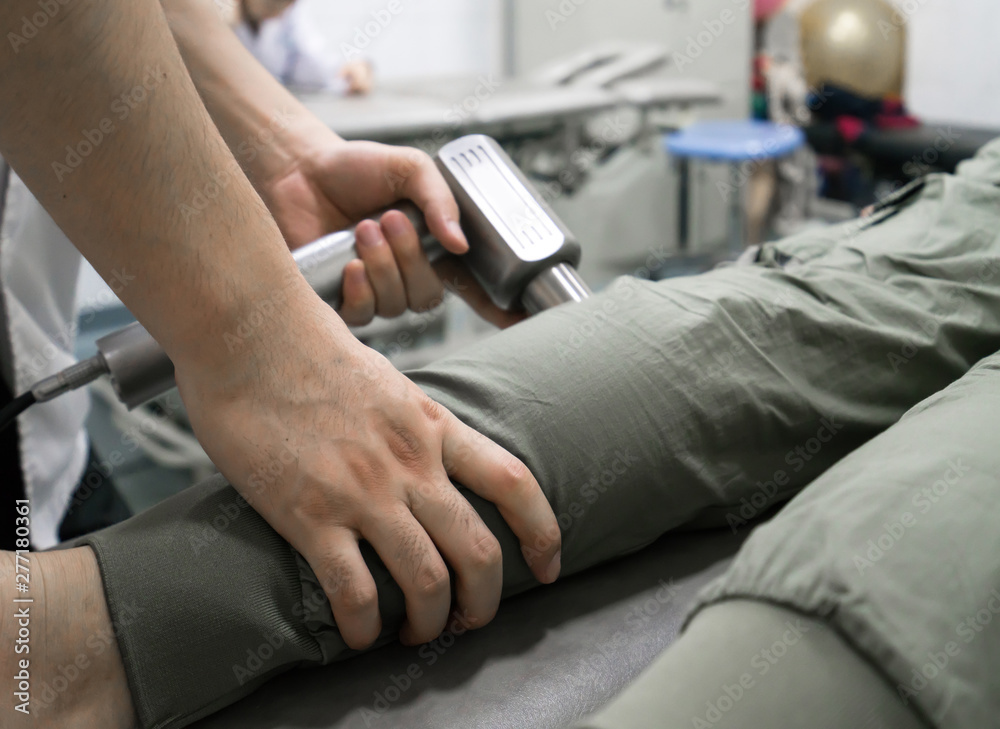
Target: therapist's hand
331, 445
331, 184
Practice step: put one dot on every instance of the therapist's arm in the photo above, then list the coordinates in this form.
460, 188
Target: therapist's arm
313, 182
100, 118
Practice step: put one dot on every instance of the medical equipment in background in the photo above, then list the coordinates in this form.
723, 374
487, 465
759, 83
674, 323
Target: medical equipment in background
552, 109
519, 251
625, 209
844, 43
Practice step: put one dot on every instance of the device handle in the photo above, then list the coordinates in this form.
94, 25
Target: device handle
322, 262
140, 370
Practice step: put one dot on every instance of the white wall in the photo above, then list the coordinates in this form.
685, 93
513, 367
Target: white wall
953, 66
425, 38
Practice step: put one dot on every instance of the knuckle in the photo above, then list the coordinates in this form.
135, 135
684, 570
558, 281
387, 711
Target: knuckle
404, 445
313, 505
432, 581
355, 599
433, 410
515, 476
485, 554
421, 158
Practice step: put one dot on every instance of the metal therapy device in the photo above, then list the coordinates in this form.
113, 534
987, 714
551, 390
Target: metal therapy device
519, 251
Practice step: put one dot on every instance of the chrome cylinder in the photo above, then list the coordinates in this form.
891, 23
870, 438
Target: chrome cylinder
558, 285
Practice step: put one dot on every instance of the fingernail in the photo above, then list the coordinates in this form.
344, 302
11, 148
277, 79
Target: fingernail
456, 229
395, 224
552, 571
367, 236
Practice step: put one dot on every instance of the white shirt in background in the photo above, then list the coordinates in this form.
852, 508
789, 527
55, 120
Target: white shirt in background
294, 53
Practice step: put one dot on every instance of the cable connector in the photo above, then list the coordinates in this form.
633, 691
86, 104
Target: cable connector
71, 378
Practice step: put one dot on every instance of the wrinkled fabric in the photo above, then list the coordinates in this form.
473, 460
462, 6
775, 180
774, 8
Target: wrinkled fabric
694, 402
898, 547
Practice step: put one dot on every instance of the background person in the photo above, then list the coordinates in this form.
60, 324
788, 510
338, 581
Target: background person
283, 40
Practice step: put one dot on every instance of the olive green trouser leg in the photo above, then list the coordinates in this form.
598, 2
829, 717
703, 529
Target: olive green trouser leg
751, 665
897, 548
651, 406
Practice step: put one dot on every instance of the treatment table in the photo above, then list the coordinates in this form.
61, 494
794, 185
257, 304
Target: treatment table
550, 656
440, 109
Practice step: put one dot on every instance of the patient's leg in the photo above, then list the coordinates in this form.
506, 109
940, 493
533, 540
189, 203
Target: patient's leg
59, 645
752, 665
888, 571
702, 400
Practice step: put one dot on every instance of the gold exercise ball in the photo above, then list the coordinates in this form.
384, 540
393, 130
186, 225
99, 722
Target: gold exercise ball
856, 44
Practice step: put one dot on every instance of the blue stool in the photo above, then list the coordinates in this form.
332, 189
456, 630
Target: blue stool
736, 143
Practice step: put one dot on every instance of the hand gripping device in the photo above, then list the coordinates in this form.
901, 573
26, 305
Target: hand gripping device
519, 251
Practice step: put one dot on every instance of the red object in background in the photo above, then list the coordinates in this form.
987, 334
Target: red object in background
763, 9
760, 66
851, 128
895, 116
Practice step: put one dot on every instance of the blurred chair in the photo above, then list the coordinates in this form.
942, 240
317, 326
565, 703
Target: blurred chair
746, 146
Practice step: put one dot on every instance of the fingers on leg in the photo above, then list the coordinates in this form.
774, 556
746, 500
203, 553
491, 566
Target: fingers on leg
467, 545
350, 588
414, 562
487, 469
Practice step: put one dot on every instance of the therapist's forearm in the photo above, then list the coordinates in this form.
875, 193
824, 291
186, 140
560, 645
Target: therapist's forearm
101, 120
265, 126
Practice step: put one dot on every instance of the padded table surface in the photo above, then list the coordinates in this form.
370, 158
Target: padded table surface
549, 657
453, 106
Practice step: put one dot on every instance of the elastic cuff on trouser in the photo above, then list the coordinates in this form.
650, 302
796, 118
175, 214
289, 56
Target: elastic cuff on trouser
897, 548
692, 401
750, 665
206, 603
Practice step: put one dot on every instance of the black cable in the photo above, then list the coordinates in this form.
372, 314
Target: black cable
14, 408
